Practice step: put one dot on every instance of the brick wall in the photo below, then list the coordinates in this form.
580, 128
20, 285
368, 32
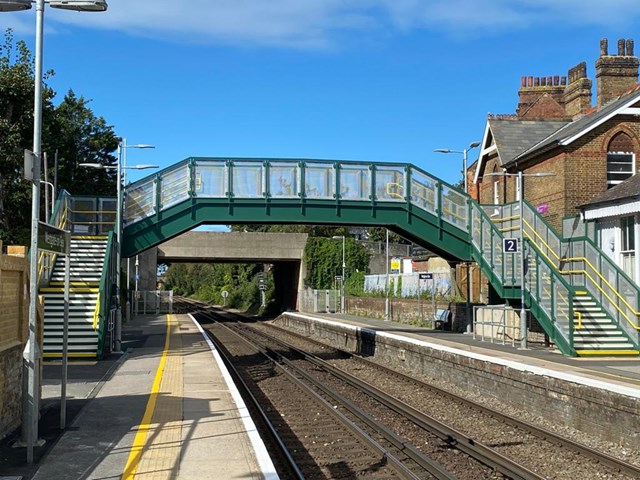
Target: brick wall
14, 311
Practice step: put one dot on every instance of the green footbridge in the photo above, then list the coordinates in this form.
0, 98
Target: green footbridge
585, 304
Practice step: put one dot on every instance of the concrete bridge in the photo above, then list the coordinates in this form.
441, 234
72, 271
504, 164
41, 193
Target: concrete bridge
285, 250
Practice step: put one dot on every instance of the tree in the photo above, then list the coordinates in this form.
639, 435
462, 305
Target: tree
71, 129
16, 133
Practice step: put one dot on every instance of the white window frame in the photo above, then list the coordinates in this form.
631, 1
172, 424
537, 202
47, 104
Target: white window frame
613, 183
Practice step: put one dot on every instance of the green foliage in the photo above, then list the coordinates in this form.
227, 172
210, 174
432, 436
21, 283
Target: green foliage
72, 129
379, 234
206, 282
311, 230
323, 257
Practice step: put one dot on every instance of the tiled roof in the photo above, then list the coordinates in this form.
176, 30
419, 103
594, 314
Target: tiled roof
627, 190
513, 137
583, 124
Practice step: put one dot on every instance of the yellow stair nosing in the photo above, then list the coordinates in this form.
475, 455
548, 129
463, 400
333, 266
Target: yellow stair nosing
608, 352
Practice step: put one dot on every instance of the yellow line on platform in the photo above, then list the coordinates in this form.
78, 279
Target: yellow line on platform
140, 439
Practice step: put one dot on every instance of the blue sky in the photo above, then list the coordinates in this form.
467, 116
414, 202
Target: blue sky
379, 80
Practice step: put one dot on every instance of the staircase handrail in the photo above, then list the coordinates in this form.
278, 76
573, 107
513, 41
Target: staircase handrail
536, 298
569, 246
59, 220
105, 296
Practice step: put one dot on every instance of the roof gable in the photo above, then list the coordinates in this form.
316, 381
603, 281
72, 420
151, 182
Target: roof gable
625, 105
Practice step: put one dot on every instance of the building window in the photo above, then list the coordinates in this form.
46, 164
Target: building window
620, 166
620, 159
627, 245
627, 227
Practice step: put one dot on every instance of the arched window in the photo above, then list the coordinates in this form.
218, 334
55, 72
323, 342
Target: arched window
621, 162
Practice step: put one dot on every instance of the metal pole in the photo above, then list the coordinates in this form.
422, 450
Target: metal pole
65, 343
342, 302
464, 169
135, 296
523, 312
118, 326
386, 300
32, 351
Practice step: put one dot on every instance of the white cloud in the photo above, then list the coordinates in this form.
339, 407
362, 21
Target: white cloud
320, 23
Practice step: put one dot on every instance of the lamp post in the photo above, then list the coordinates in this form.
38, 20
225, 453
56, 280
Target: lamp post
31, 353
464, 159
386, 283
119, 168
519, 178
466, 190
344, 265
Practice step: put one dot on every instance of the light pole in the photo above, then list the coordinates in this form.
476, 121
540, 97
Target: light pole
344, 265
119, 168
464, 159
519, 177
386, 283
31, 353
466, 190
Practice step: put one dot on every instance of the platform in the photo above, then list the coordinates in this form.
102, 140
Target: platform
167, 410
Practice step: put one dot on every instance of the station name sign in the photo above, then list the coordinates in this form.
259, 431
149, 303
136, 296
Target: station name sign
52, 239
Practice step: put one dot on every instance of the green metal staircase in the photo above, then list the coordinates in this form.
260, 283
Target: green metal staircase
92, 276
87, 259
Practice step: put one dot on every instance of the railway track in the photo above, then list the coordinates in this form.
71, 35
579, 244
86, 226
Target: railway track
440, 452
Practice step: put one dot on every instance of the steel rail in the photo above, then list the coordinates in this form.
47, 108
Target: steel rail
385, 455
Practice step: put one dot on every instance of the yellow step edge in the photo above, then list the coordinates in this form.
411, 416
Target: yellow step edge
607, 352
89, 237
71, 355
75, 284
581, 292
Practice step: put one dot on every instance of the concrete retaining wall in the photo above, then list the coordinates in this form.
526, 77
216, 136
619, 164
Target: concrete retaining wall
604, 414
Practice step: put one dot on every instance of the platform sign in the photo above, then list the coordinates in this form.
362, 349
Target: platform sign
52, 239
425, 276
224, 294
510, 245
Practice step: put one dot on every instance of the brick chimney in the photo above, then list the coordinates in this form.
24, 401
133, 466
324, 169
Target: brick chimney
577, 95
615, 74
541, 98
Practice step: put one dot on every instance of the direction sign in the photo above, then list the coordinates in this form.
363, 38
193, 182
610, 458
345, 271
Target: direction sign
425, 276
224, 294
510, 245
338, 278
52, 239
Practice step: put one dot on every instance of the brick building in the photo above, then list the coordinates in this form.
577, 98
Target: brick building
556, 130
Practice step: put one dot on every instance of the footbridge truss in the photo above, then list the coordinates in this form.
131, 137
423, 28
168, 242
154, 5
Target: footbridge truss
405, 199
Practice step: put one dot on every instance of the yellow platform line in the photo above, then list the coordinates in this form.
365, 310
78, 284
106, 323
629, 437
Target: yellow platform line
137, 448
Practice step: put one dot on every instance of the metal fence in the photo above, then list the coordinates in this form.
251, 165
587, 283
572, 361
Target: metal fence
496, 324
153, 302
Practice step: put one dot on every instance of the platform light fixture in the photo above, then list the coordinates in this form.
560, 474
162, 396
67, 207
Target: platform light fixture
464, 159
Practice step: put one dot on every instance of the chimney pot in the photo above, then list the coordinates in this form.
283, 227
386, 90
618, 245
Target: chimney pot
563, 81
604, 47
530, 81
536, 82
523, 81
621, 47
630, 47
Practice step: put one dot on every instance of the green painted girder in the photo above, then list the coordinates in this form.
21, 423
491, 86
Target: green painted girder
415, 224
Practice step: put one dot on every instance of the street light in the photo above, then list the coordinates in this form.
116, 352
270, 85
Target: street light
121, 148
338, 237
519, 176
31, 353
387, 310
464, 159
466, 190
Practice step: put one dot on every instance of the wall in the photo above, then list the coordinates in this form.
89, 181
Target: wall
604, 414
14, 311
